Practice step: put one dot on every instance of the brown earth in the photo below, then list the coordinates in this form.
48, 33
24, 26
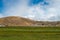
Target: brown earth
20, 21
16, 21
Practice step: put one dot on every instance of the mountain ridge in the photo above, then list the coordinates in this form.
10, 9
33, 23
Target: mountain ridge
16, 21
20, 21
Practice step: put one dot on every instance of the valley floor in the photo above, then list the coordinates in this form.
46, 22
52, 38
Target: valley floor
30, 33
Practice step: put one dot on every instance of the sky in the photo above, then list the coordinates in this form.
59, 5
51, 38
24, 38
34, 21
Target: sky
41, 10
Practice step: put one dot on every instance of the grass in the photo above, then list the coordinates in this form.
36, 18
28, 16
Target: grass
30, 33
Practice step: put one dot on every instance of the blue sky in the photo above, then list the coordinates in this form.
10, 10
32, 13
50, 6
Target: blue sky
44, 10
1, 5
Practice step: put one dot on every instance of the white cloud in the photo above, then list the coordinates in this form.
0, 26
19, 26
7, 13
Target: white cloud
1, 15
30, 16
37, 12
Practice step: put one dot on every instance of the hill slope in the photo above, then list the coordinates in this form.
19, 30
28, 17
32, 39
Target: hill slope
20, 21
16, 21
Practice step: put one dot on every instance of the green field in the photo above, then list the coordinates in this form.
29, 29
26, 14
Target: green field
29, 33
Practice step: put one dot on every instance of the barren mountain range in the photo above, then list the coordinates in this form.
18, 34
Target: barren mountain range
20, 21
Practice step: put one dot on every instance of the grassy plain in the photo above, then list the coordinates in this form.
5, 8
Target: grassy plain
29, 33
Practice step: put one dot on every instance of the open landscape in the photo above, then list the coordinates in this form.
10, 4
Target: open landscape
18, 28
29, 19
30, 33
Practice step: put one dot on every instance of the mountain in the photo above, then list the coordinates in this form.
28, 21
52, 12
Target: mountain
16, 21
20, 21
